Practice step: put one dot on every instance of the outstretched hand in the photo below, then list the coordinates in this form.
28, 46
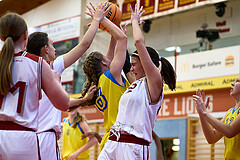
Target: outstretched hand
99, 12
85, 100
199, 99
137, 14
91, 92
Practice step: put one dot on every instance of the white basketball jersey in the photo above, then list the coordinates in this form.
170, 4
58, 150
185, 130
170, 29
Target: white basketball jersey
136, 114
49, 116
21, 104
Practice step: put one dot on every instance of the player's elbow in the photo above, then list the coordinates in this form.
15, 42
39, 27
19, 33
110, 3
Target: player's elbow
93, 140
211, 141
86, 44
138, 42
63, 105
123, 38
230, 134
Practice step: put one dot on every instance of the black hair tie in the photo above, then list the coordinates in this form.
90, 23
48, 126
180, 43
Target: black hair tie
10, 35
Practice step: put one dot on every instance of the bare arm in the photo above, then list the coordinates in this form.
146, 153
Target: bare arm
154, 82
51, 86
82, 101
228, 130
111, 49
158, 144
73, 55
92, 141
120, 49
211, 134
90, 134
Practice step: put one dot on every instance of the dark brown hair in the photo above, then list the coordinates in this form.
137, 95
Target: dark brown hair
167, 72
36, 41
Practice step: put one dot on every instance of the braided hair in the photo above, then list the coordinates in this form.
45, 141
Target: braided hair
93, 70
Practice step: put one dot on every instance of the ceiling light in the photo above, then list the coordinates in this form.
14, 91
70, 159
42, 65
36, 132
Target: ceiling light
173, 48
175, 148
176, 142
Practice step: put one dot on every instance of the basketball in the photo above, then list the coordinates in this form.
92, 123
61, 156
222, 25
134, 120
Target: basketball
114, 15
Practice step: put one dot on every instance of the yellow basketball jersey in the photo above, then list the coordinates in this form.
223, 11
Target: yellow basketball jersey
72, 141
232, 145
109, 94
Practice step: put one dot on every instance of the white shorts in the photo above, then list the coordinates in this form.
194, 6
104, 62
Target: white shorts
18, 145
47, 142
123, 151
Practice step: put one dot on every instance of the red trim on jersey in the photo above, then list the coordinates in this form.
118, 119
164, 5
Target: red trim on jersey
28, 55
18, 54
32, 57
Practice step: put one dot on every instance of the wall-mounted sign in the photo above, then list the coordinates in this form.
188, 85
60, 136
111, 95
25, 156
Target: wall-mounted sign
180, 105
164, 5
62, 30
208, 64
126, 13
182, 3
157, 8
148, 6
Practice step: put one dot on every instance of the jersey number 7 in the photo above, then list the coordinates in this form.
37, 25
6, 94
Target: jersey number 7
22, 87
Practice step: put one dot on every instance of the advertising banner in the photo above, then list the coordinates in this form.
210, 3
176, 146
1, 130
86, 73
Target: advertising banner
157, 8
62, 30
126, 13
208, 64
206, 84
182, 3
148, 6
175, 105
164, 5
180, 105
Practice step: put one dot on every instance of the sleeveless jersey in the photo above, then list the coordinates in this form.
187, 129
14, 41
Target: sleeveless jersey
49, 116
21, 104
109, 93
72, 140
137, 114
232, 145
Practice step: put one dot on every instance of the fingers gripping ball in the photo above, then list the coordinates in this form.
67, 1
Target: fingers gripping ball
114, 15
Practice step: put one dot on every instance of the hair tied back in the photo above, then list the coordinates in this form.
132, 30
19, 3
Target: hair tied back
10, 35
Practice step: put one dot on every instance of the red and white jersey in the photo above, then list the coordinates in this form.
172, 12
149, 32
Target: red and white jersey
21, 104
136, 113
49, 116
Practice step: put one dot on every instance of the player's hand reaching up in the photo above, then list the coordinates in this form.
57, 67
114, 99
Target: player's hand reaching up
137, 14
199, 99
99, 12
